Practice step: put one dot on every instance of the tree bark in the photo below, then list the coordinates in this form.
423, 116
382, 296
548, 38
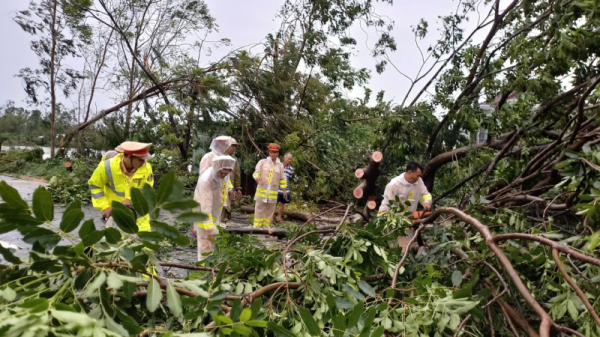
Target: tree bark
53, 79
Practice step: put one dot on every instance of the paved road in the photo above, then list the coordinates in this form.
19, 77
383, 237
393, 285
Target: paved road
26, 189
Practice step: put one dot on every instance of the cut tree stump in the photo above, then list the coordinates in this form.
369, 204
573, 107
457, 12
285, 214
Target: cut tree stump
369, 174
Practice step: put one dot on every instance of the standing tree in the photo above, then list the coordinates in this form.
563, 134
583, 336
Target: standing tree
59, 28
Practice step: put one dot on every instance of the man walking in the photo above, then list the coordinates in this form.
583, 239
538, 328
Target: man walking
289, 172
270, 178
211, 194
236, 178
114, 177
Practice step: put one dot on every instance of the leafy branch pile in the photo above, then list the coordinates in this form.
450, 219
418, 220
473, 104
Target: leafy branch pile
334, 281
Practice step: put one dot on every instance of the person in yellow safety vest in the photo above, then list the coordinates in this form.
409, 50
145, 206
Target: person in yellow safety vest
114, 177
408, 187
211, 194
270, 177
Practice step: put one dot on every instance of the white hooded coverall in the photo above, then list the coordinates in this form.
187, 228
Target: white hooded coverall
211, 194
218, 147
272, 178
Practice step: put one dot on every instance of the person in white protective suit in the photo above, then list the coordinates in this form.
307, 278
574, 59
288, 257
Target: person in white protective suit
270, 177
219, 147
211, 194
408, 187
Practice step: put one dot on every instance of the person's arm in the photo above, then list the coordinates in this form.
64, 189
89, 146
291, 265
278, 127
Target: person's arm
426, 198
387, 195
256, 174
283, 184
96, 185
237, 176
205, 199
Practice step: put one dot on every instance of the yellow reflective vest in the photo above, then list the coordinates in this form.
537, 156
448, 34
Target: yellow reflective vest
272, 178
108, 183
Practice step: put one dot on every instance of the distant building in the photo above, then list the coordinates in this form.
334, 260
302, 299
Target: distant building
482, 135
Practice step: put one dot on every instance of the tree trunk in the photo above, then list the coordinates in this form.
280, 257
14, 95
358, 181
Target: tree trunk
52, 80
305, 216
369, 174
131, 92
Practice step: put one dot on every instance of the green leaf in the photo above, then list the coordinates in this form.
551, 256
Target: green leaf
114, 281
226, 320
174, 301
456, 278
343, 303
572, 310
139, 262
128, 289
309, 321
182, 205
153, 295
123, 217
35, 305
150, 196
9, 294
21, 218
88, 233
355, 314
8, 256
279, 331
367, 289
242, 330
75, 204
112, 235
255, 307
236, 310
256, 324
368, 325
43, 208
378, 332
130, 324
71, 220
339, 325
165, 189
245, 315
87, 228
6, 227
139, 202
11, 196
353, 292
192, 217
92, 287
45, 237
593, 241
169, 231
115, 327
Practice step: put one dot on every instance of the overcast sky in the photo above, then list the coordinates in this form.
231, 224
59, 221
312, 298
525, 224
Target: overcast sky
248, 21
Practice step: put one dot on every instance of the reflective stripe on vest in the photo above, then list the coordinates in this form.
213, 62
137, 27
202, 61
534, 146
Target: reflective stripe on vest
111, 181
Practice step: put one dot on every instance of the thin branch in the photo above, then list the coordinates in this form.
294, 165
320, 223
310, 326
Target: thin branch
395, 278
573, 285
462, 324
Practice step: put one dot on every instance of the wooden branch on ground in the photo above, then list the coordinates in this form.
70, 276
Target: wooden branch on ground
278, 232
305, 216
